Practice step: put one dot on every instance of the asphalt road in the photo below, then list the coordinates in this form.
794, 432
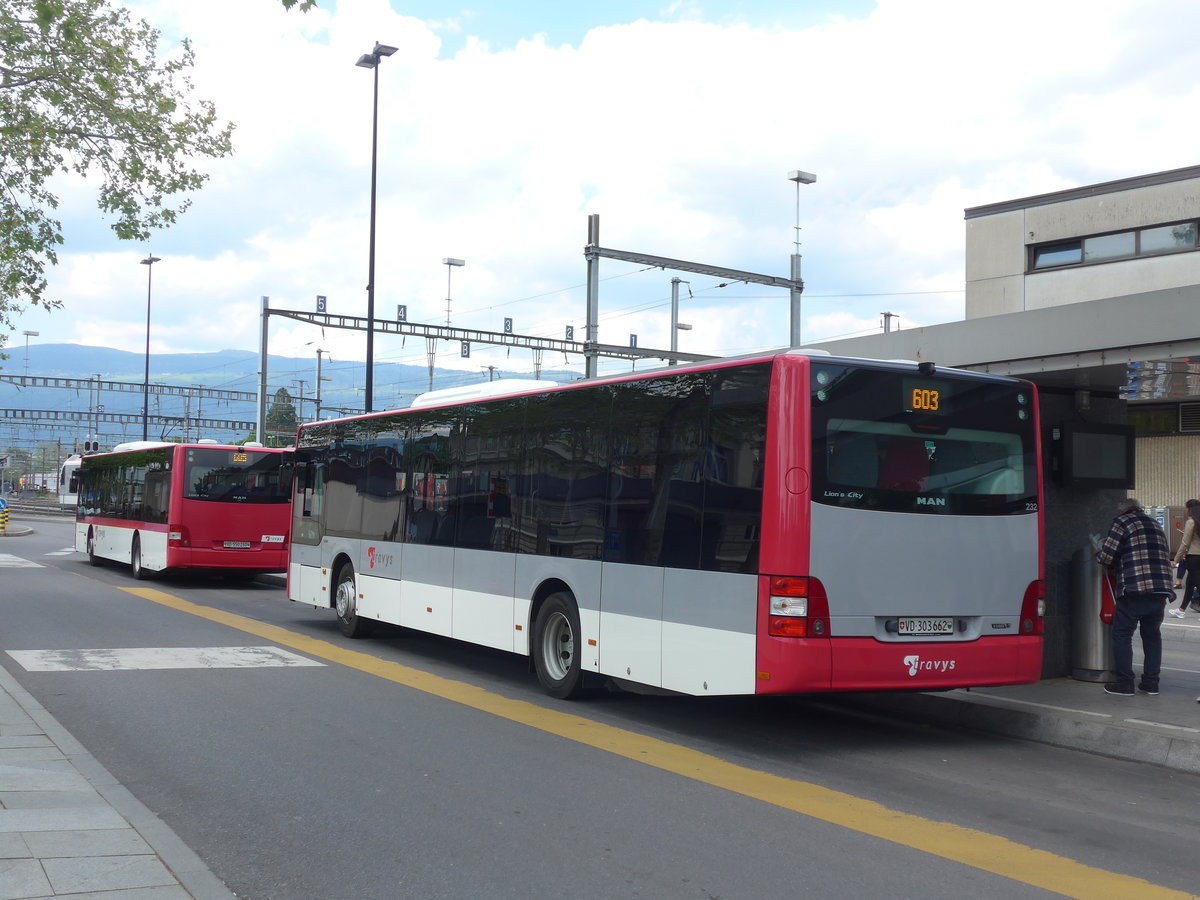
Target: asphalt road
412, 766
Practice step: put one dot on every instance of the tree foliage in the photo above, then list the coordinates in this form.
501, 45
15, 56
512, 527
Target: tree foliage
282, 419
83, 90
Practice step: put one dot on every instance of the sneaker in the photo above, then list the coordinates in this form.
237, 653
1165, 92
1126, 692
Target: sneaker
1151, 689
1116, 687
1176, 612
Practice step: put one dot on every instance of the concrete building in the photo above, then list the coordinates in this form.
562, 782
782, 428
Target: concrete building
1118, 240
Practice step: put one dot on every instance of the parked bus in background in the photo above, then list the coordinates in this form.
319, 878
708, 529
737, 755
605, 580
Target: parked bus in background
783, 523
68, 483
158, 506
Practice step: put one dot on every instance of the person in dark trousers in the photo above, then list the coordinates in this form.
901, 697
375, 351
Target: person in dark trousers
1189, 555
1136, 550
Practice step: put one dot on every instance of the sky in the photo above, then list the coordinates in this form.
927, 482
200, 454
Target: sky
503, 126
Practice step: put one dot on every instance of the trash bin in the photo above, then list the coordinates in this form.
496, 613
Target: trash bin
1091, 636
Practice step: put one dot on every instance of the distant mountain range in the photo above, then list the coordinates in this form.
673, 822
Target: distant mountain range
395, 385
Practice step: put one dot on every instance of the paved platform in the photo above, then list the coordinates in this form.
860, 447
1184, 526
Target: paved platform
1163, 729
67, 828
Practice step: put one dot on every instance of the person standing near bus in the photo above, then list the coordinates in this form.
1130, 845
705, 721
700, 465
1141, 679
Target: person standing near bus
1136, 549
1189, 554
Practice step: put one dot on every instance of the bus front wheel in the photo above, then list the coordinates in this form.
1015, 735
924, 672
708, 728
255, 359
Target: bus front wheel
135, 560
557, 647
93, 559
345, 603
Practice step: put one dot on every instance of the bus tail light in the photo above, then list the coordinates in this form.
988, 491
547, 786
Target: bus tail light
1033, 608
177, 536
798, 607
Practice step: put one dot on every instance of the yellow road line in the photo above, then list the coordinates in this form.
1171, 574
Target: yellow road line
968, 846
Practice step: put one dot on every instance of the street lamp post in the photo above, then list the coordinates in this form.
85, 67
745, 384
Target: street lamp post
371, 61
28, 335
449, 262
148, 262
797, 282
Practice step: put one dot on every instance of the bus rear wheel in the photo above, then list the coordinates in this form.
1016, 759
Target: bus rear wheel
135, 560
345, 604
557, 647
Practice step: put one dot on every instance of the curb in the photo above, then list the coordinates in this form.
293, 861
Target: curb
1148, 743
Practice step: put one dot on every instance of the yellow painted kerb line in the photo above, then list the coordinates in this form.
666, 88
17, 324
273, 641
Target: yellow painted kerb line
968, 846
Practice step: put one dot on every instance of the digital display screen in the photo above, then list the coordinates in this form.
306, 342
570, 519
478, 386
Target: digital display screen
924, 396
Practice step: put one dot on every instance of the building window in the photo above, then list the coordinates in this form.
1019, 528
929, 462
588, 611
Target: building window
1168, 238
1050, 255
1102, 248
1110, 246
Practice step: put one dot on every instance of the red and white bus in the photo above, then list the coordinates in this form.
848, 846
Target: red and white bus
158, 506
783, 523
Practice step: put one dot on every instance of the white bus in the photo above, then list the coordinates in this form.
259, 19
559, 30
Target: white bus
68, 483
784, 523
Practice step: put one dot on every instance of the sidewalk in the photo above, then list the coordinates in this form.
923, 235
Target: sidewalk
67, 827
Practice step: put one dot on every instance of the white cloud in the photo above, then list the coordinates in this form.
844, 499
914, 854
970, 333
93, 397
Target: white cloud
680, 134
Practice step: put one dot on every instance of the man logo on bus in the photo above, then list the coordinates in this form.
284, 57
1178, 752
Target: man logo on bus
915, 665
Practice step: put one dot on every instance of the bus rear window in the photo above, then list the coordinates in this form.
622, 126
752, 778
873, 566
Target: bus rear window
234, 476
890, 440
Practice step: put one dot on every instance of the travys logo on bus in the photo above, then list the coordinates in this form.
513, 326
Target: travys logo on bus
383, 559
916, 664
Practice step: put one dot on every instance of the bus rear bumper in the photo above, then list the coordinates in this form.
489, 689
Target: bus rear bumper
864, 664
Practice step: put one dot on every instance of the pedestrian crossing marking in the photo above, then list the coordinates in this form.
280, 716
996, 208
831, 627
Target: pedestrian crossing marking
66, 551
137, 658
8, 561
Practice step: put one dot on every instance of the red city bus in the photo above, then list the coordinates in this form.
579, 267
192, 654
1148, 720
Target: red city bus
782, 523
157, 506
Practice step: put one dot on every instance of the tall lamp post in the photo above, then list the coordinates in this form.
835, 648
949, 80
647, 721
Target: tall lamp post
371, 61
28, 335
148, 262
448, 262
797, 282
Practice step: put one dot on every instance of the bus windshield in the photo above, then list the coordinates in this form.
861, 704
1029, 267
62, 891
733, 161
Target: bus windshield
907, 442
234, 476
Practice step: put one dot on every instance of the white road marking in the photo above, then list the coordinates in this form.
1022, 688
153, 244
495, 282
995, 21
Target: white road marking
134, 658
65, 551
1015, 702
1164, 725
8, 561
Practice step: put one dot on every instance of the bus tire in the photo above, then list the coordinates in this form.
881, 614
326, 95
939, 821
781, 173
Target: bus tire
93, 559
557, 647
140, 572
345, 604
